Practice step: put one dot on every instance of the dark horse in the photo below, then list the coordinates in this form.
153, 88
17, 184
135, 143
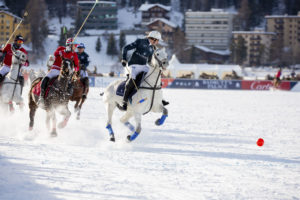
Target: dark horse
78, 97
57, 98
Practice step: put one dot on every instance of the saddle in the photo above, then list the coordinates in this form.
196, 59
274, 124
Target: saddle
37, 88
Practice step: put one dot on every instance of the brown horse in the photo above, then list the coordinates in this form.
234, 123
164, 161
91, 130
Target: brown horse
78, 91
57, 98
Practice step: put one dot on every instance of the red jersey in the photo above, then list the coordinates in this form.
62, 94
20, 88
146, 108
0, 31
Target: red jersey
278, 74
61, 53
8, 54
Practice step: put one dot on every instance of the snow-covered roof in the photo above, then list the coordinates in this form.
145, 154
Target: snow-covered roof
164, 21
175, 65
282, 16
206, 49
9, 13
146, 7
253, 32
107, 2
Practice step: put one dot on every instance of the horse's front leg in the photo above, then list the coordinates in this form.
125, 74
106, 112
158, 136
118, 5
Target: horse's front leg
51, 115
110, 109
138, 119
161, 120
66, 113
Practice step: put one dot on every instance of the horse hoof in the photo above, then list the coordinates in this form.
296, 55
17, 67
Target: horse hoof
53, 134
128, 138
62, 125
112, 139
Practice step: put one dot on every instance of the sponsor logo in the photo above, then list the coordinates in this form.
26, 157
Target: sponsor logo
257, 85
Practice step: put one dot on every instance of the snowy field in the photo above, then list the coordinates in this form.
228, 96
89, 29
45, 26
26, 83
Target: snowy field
205, 150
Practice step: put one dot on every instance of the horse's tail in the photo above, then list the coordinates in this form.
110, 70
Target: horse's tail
33, 84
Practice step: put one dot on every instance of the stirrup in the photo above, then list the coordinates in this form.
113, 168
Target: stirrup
124, 106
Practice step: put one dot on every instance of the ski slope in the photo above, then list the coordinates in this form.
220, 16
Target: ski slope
205, 150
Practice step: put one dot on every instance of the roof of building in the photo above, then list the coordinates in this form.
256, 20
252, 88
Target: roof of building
175, 64
108, 2
164, 21
208, 50
254, 32
9, 13
282, 16
146, 7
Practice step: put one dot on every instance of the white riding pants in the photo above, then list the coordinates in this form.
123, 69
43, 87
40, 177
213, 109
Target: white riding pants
4, 70
83, 73
136, 69
52, 73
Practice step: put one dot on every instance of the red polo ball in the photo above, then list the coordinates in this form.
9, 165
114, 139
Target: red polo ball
260, 142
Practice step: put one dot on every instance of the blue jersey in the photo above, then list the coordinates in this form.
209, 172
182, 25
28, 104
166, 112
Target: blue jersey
83, 60
142, 54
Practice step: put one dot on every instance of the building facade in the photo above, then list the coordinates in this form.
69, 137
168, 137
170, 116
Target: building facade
211, 29
258, 45
152, 11
8, 23
287, 28
104, 15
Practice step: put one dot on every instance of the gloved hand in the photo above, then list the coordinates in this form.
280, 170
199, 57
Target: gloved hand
124, 63
26, 64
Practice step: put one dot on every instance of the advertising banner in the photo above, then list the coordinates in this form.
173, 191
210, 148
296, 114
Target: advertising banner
205, 84
264, 85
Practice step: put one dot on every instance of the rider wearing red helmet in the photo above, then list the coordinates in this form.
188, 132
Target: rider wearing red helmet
7, 53
67, 52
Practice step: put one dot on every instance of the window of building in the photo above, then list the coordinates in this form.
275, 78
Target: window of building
7, 33
7, 22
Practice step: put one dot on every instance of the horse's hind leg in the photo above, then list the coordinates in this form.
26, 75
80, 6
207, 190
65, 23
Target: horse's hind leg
138, 119
110, 109
32, 110
125, 121
161, 120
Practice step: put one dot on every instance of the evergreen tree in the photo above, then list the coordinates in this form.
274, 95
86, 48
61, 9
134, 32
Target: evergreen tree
238, 50
16, 6
122, 40
64, 35
98, 44
38, 24
111, 46
241, 50
193, 54
244, 15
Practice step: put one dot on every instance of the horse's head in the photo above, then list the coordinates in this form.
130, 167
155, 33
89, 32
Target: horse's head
19, 57
161, 57
66, 67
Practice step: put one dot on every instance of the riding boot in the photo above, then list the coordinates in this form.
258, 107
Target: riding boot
41, 101
21, 80
1, 78
128, 90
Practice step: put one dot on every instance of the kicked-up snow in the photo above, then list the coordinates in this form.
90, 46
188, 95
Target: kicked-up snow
205, 150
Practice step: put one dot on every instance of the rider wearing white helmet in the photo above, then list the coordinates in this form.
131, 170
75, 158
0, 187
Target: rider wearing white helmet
142, 55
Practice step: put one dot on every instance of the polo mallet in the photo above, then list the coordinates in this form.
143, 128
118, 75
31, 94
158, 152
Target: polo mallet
85, 20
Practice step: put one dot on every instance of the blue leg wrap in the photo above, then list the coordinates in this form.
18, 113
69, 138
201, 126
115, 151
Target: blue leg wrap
134, 136
162, 119
129, 125
109, 128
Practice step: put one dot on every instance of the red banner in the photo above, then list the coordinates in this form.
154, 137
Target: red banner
264, 85
166, 81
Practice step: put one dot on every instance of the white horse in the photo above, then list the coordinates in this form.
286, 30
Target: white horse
147, 98
11, 90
